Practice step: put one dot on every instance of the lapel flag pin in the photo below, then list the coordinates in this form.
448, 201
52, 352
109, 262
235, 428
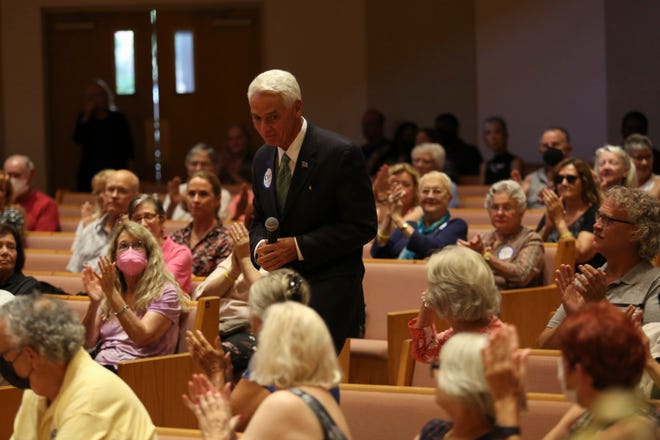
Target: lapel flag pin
304, 164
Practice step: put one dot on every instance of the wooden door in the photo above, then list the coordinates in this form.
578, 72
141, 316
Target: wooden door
79, 47
227, 57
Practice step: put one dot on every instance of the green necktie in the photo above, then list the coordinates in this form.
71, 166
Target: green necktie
283, 182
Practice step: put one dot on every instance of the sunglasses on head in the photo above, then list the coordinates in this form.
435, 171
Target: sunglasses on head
559, 178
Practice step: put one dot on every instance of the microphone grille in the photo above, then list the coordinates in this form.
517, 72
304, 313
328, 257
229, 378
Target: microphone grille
272, 224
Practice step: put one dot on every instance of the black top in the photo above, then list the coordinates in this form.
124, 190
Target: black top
19, 284
499, 168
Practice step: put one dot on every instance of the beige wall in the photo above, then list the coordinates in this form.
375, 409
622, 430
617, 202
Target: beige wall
542, 63
577, 64
633, 64
329, 63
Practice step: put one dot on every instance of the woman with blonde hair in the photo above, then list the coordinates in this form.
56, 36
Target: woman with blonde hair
297, 357
135, 303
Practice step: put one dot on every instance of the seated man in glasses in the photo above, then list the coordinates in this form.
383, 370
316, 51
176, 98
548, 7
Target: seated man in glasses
627, 234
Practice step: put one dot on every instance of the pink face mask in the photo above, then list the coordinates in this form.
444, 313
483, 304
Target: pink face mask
131, 262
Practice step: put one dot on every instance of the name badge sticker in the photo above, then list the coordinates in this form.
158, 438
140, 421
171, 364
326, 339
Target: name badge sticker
505, 252
268, 178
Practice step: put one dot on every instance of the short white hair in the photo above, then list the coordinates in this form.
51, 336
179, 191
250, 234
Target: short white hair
461, 285
461, 375
436, 150
445, 181
631, 174
510, 187
276, 82
295, 348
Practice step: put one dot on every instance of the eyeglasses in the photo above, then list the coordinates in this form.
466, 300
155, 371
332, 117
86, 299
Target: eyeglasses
504, 207
124, 245
559, 178
148, 217
427, 191
606, 220
2, 355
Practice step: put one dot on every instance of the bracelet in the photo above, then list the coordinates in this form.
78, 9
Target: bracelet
566, 236
229, 276
505, 431
123, 310
487, 256
383, 236
404, 227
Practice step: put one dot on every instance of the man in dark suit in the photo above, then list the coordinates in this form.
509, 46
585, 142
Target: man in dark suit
315, 183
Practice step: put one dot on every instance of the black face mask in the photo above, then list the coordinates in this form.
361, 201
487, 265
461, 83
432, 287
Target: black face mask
553, 156
7, 371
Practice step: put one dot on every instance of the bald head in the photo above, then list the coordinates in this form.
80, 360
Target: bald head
121, 187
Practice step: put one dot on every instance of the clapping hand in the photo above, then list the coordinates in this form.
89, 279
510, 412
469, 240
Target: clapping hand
215, 363
475, 244
107, 275
92, 285
569, 289
211, 407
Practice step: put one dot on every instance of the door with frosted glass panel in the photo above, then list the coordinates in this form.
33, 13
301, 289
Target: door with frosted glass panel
205, 58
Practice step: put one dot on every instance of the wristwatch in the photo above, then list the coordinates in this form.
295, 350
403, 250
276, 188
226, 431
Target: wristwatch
505, 431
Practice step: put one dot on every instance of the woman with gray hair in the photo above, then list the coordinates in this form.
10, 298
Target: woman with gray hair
297, 357
432, 157
461, 289
408, 240
614, 167
67, 395
463, 393
513, 251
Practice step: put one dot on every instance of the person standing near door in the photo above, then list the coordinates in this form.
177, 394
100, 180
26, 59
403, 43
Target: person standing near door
104, 134
315, 183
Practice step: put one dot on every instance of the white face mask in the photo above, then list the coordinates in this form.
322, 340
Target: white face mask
571, 395
20, 186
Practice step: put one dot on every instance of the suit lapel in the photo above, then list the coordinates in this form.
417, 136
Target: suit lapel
268, 180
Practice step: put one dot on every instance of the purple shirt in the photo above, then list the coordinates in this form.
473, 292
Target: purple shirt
116, 346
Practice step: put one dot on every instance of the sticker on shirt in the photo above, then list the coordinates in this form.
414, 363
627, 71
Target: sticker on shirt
505, 252
268, 178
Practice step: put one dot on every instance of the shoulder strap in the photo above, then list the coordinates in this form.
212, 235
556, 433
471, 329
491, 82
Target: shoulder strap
330, 430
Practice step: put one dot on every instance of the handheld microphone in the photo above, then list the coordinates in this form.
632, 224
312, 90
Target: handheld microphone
272, 229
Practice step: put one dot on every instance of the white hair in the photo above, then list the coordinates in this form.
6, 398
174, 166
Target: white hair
276, 82
461, 285
461, 374
436, 150
510, 187
630, 180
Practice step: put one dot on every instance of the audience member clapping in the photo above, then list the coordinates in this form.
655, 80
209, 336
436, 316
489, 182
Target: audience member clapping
231, 281
135, 303
514, 252
436, 229
205, 235
90, 212
148, 211
462, 392
462, 290
281, 285
297, 358
627, 234
602, 360
571, 208
402, 179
